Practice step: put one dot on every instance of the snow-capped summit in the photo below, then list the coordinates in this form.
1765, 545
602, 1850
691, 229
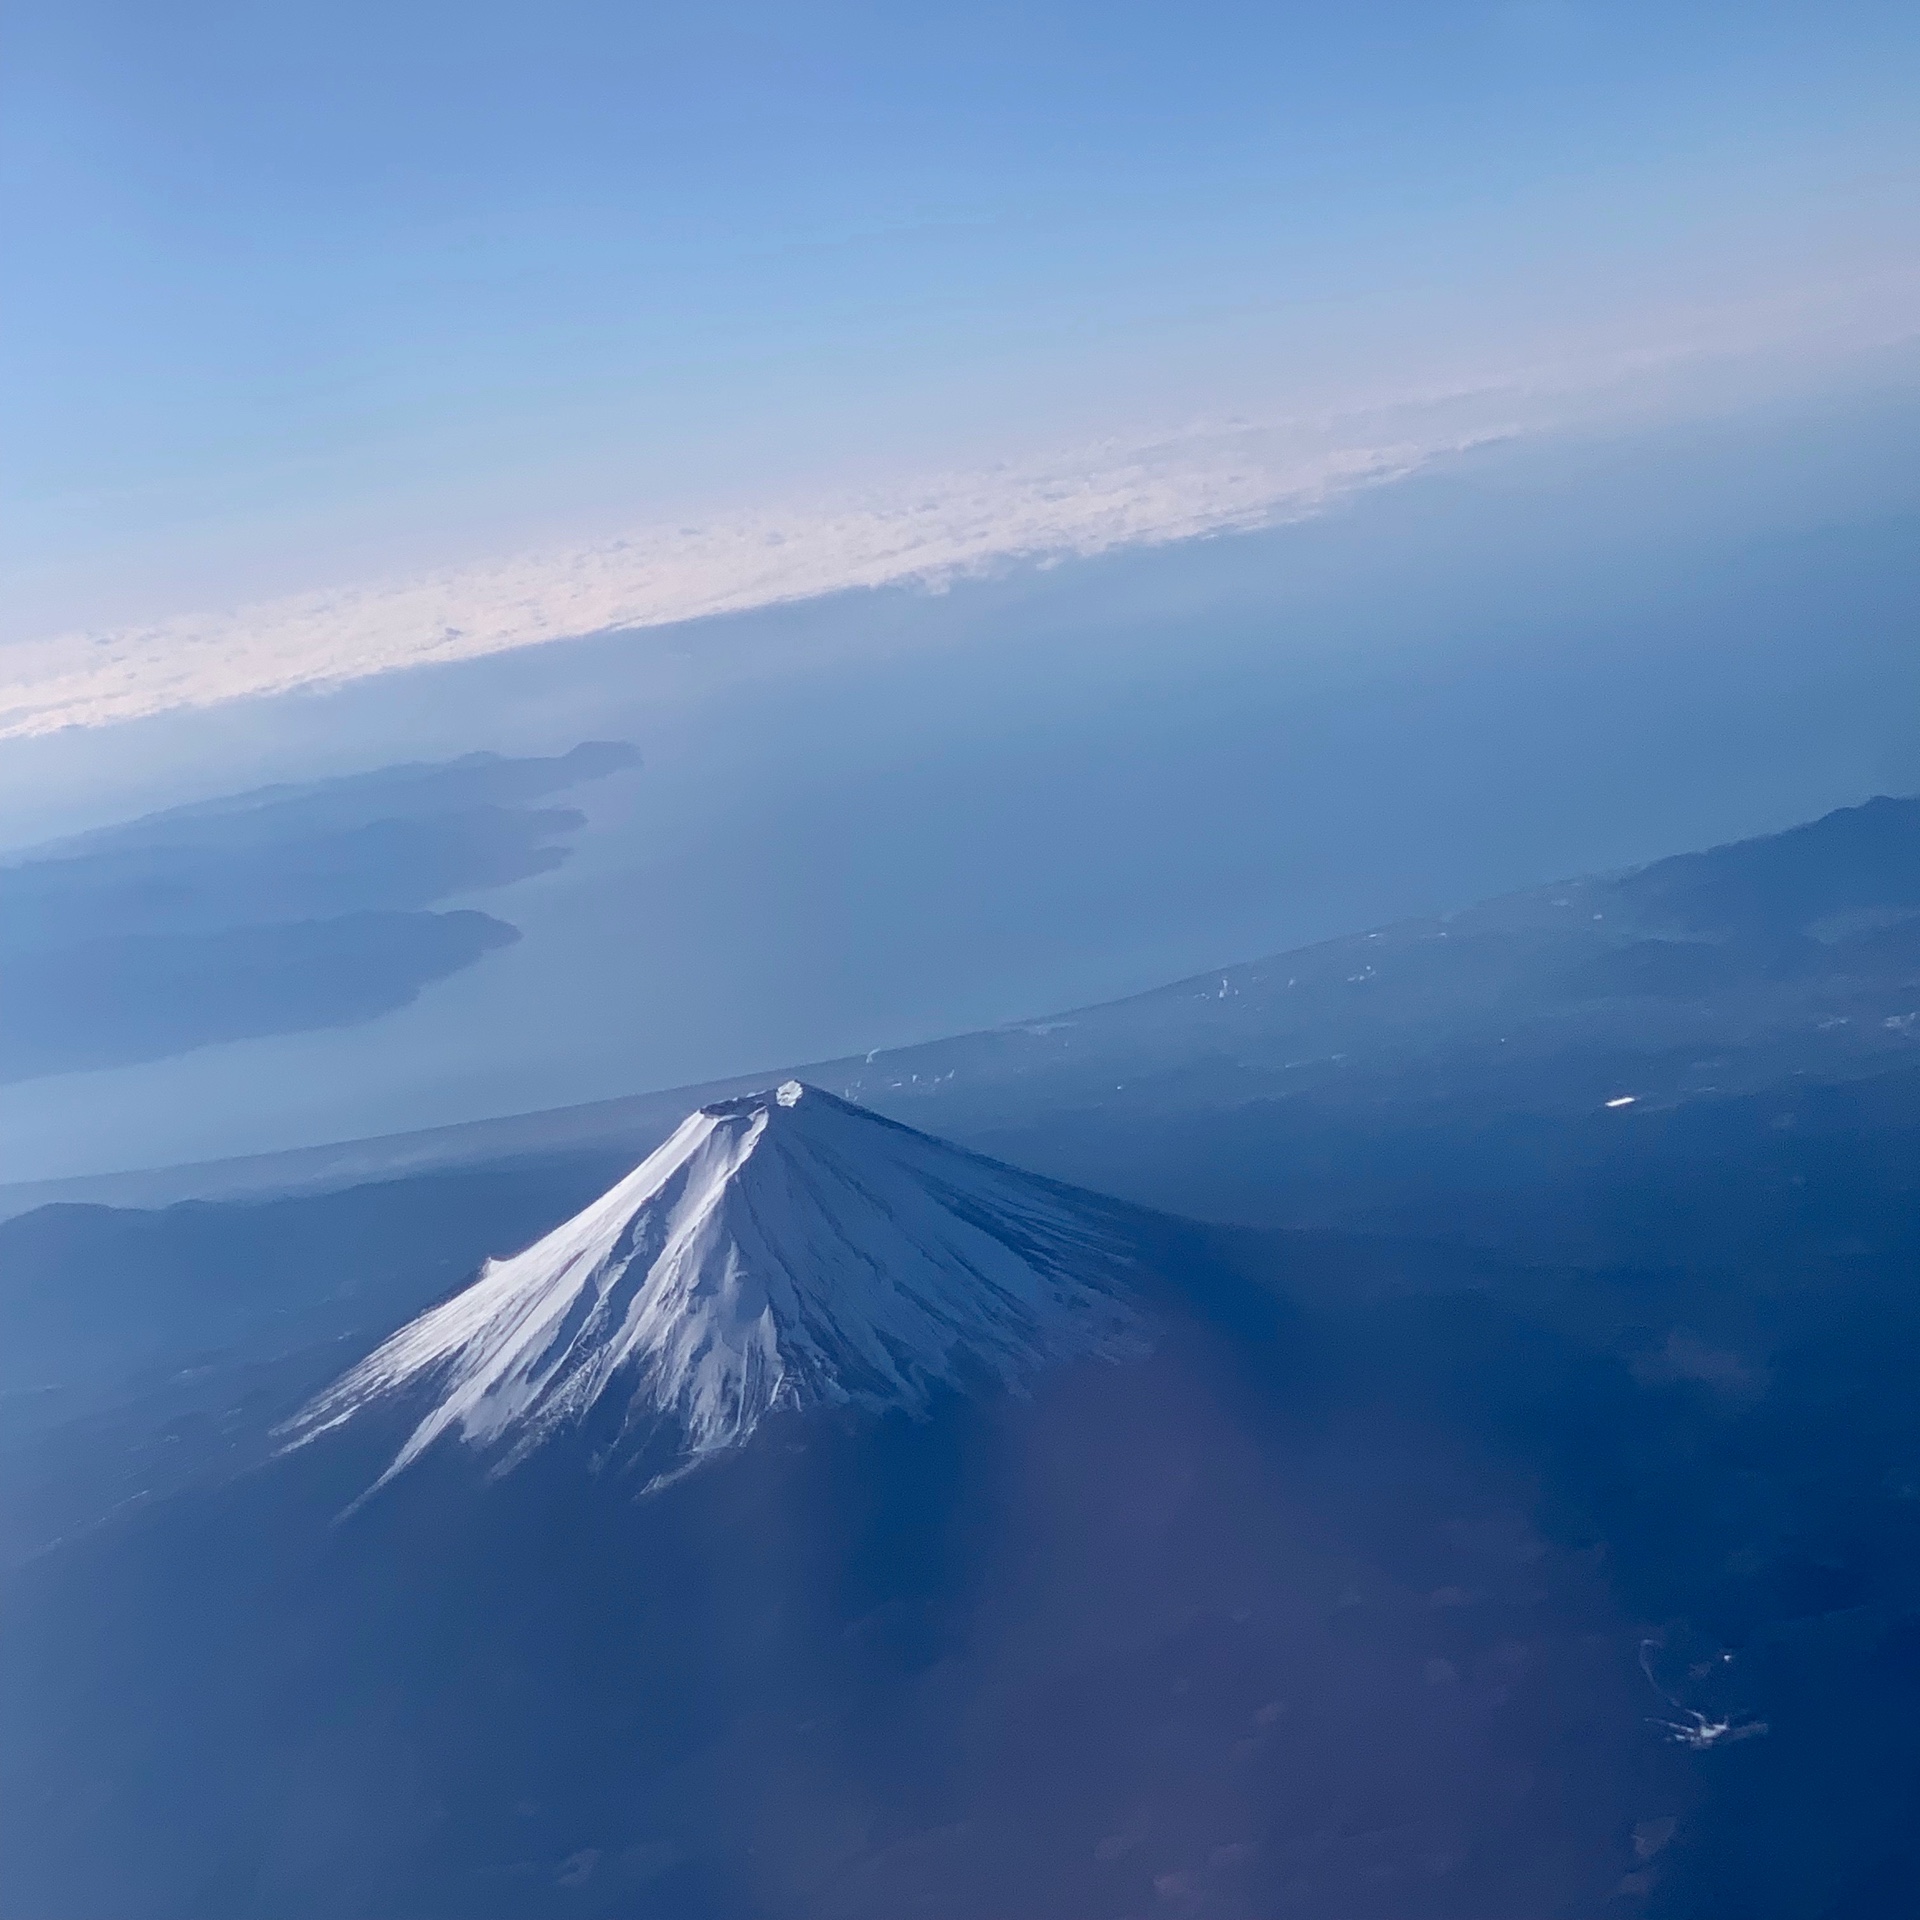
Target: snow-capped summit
785, 1249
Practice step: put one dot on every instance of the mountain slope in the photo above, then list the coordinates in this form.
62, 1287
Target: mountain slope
1161, 1636
1386, 1586
781, 1250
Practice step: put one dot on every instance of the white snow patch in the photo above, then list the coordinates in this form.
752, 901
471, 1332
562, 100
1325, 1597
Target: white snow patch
929, 531
780, 1250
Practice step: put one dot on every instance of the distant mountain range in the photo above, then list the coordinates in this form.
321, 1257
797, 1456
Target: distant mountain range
283, 910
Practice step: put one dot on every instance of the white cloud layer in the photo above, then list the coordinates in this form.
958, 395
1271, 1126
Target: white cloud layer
1209, 480
927, 533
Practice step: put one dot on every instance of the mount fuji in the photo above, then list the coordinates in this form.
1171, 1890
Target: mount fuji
957, 1617
783, 1250
1393, 1576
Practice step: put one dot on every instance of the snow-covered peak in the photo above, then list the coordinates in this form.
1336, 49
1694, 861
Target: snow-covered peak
785, 1249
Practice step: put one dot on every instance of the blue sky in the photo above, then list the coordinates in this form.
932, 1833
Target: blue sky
300, 294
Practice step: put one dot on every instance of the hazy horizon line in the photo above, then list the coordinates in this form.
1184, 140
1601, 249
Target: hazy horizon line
1212, 478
